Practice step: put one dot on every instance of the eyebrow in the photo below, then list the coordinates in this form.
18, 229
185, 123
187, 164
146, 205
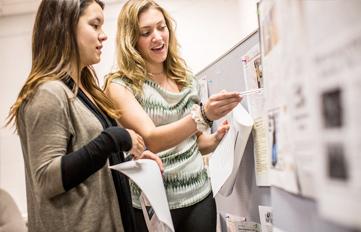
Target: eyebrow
149, 26
97, 19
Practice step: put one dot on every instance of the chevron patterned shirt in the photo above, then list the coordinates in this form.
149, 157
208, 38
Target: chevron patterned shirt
185, 178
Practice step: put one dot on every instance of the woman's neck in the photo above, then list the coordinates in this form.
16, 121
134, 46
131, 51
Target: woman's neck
74, 74
155, 69
158, 75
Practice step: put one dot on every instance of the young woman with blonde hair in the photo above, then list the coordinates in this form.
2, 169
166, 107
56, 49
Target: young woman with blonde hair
159, 99
67, 129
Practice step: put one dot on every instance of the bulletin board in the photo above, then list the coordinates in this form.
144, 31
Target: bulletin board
226, 73
290, 212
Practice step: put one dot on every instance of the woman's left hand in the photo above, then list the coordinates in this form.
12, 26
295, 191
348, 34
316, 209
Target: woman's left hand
207, 143
222, 130
150, 155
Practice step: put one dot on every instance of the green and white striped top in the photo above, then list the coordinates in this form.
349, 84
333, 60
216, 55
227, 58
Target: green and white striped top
185, 178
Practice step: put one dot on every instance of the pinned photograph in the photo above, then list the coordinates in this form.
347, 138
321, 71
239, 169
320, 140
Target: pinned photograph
272, 130
258, 68
332, 113
269, 30
337, 164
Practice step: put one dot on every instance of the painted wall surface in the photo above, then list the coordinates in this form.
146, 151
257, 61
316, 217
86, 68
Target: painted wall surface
15, 47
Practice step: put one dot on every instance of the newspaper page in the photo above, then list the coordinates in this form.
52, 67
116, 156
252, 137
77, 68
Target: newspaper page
299, 93
282, 161
335, 51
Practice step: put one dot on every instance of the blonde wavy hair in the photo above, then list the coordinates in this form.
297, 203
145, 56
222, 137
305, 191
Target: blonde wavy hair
130, 64
54, 48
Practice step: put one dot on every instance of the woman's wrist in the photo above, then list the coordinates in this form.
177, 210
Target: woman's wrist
204, 116
196, 114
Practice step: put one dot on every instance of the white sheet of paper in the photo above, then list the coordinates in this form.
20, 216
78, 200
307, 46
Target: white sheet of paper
233, 222
203, 88
265, 217
225, 161
256, 108
145, 173
275, 229
221, 161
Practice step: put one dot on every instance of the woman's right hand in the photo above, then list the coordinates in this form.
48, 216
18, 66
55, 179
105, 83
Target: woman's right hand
220, 104
150, 155
137, 144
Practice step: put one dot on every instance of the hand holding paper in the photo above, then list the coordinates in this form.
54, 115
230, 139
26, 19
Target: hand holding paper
146, 174
220, 104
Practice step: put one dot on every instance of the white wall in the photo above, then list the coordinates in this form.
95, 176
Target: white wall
15, 50
206, 29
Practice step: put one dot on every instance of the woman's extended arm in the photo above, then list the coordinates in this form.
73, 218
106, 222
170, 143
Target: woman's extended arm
164, 137
134, 117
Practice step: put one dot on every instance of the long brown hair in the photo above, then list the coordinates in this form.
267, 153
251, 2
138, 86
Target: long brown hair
130, 63
54, 48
